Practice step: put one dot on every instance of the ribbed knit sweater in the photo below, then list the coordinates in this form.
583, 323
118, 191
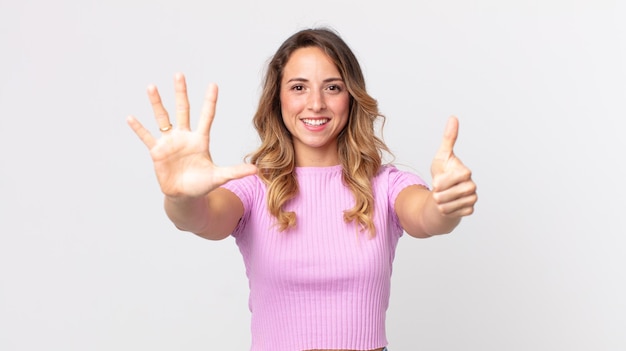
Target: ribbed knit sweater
322, 284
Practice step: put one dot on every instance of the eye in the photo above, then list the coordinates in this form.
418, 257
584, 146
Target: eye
297, 87
334, 88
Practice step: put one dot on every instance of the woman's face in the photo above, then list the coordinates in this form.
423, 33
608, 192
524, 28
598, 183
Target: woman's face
315, 106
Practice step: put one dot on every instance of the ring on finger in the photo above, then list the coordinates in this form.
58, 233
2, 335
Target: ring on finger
165, 129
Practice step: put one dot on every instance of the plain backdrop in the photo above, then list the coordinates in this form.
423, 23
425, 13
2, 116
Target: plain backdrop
89, 261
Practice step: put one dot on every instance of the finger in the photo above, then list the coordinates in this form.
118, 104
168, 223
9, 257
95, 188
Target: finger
446, 148
459, 207
462, 211
141, 132
182, 102
455, 173
458, 191
236, 172
160, 114
239, 171
449, 135
459, 198
208, 110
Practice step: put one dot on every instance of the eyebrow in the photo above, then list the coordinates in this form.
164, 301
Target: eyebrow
327, 80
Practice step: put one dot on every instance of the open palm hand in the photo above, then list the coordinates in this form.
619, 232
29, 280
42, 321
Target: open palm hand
182, 159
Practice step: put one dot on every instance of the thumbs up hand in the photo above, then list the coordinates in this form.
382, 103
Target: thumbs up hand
454, 191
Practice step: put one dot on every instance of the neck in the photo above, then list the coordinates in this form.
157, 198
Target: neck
317, 160
316, 157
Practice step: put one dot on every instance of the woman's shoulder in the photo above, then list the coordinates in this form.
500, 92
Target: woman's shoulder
395, 175
390, 169
247, 183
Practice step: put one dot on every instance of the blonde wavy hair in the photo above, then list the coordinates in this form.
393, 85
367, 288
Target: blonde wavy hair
360, 150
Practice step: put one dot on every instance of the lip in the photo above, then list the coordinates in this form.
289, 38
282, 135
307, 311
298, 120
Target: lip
310, 123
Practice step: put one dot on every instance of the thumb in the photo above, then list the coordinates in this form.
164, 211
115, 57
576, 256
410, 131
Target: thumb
239, 171
446, 150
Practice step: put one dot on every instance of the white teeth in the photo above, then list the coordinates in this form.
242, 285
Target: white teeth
315, 122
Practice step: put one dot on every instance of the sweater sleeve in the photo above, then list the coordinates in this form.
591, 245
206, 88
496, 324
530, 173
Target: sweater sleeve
245, 189
397, 181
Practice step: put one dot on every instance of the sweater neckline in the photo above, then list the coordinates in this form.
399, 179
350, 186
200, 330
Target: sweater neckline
319, 170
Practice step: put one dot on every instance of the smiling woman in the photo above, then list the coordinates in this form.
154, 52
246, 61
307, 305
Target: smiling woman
314, 106
316, 215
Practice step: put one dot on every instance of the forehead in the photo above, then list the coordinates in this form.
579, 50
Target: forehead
310, 61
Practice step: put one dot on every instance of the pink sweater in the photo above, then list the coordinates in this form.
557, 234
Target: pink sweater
322, 285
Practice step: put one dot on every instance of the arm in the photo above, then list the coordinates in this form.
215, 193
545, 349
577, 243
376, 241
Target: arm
184, 168
212, 217
423, 213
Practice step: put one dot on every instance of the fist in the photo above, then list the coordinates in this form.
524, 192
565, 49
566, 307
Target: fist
454, 191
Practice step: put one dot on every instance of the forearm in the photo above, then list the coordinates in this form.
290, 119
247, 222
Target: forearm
420, 215
434, 220
213, 216
188, 214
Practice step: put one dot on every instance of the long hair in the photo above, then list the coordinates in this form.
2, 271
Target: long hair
360, 150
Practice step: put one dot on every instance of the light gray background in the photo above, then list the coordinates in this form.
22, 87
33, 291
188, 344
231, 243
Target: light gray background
88, 260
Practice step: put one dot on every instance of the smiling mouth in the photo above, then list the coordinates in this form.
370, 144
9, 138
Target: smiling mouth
315, 122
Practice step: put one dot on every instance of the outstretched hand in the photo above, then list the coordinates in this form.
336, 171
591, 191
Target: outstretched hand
182, 160
454, 191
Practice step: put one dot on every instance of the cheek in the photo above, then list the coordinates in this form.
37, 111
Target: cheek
342, 107
287, 117
289, 107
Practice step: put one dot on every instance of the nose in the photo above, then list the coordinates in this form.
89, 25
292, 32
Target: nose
316, 101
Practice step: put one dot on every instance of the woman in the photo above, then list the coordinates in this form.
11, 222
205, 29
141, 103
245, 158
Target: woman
316, 215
